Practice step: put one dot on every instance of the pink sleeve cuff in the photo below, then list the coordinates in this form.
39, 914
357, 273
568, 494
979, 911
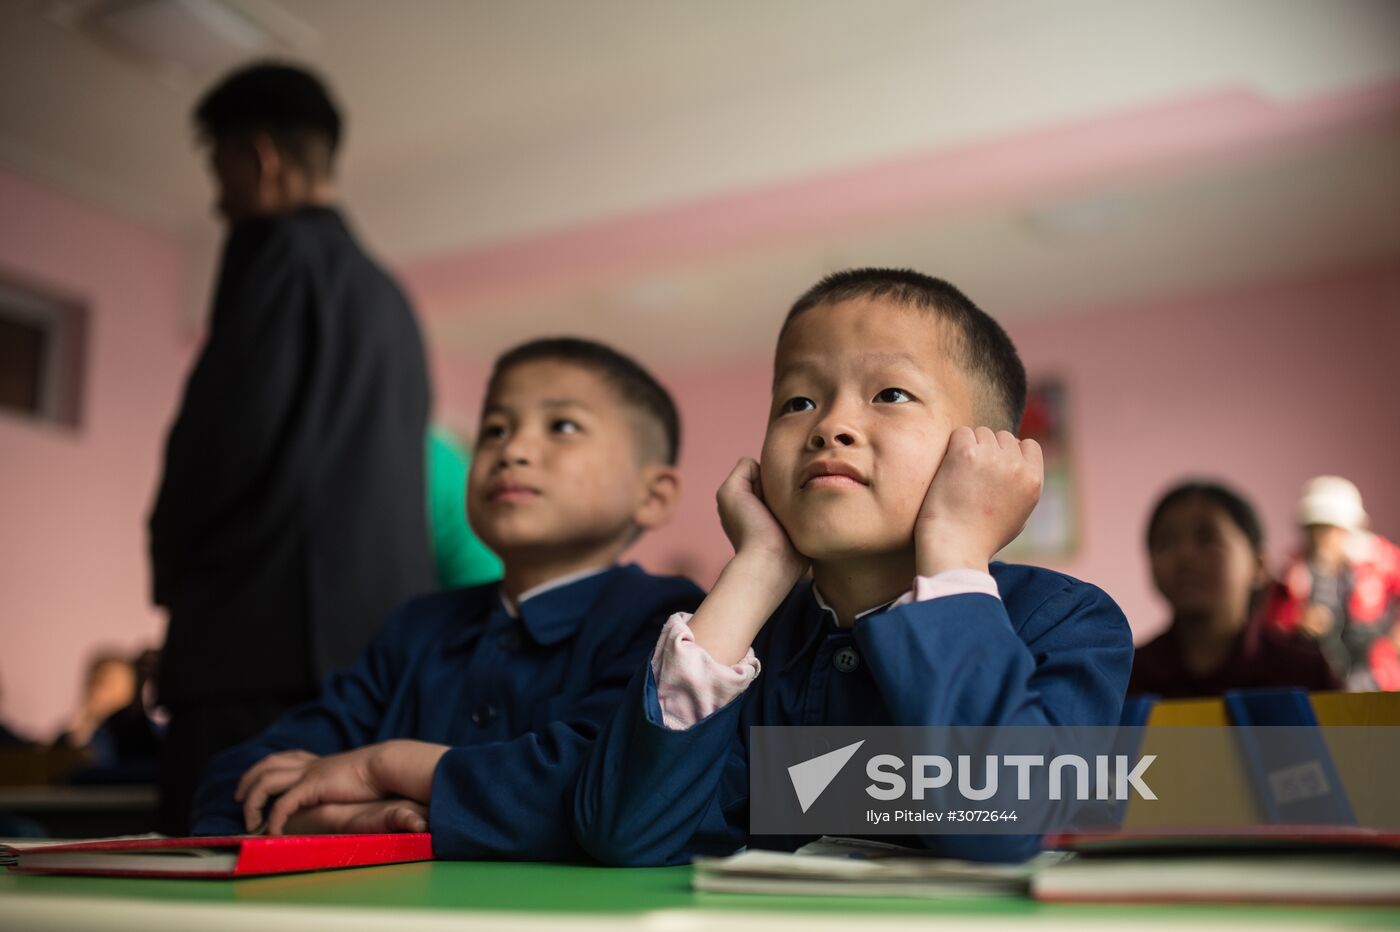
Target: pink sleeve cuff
690, 684
950, 582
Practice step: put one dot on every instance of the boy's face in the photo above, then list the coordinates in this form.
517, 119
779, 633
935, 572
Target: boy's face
865, 396
557, 466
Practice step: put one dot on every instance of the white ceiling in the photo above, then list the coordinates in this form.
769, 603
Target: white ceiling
472, 124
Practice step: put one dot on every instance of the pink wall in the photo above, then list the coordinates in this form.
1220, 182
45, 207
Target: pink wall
723, 414
72, 503
1261, 386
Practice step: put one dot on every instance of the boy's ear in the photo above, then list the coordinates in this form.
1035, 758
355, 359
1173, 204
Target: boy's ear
276, 176
660, 493
267, 155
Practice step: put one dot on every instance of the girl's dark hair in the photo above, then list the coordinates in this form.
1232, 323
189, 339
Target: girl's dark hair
1241, 512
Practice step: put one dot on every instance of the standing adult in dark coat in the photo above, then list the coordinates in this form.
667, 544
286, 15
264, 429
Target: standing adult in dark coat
291, 516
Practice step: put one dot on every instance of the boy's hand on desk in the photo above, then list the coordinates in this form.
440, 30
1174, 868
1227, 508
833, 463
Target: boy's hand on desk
380, 816
267, 778
338, 778
398, 768
978, 501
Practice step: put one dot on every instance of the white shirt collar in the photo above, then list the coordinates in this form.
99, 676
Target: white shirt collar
513, 608
859, 615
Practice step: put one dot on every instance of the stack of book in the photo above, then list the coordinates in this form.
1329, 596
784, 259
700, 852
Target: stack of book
1275, 864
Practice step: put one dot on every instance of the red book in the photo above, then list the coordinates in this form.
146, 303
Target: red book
226, 856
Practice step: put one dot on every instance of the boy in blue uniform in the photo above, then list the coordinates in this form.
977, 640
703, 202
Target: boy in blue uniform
875, 474
471, 711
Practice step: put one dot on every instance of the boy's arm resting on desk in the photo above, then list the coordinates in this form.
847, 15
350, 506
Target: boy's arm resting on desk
958, 661
648, 793
676, 729
952, 637
514, 799
297, 782
347, 714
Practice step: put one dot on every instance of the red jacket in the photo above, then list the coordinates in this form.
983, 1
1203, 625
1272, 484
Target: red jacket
1375, 596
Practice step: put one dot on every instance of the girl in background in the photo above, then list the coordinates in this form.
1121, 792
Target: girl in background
1205, 544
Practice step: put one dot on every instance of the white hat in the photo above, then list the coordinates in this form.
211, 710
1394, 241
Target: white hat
1331, 500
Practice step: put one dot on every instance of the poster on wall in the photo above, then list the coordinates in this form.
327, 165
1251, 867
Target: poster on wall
1052, 533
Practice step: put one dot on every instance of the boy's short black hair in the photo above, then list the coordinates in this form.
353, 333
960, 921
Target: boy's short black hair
987, 353
634, 385
1235, 505
287, 102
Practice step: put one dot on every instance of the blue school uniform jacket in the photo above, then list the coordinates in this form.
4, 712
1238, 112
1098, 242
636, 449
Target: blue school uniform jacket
1052, 650
519, 701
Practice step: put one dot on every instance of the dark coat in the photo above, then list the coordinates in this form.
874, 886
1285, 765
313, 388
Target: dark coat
1051, 651
291, 517
518, 699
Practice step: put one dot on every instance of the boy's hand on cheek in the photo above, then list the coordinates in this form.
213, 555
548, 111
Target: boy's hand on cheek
751, 527
978, 501
752, 584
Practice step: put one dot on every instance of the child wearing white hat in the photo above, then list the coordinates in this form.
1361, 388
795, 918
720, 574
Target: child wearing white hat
1343, 589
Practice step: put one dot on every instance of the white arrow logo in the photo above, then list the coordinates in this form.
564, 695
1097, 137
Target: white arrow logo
811, 777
